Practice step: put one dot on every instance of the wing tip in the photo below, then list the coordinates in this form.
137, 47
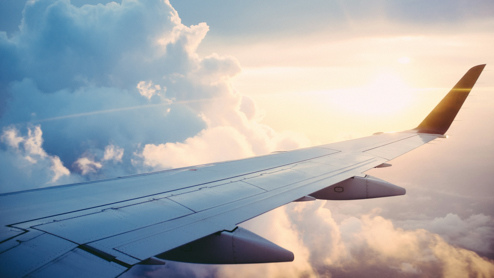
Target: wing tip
440, 118
481, 65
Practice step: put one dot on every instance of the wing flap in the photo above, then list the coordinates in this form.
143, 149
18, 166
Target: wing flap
32, 254
78, 263
9, 232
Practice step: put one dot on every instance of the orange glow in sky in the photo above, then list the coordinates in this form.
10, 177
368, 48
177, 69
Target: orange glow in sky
332, 90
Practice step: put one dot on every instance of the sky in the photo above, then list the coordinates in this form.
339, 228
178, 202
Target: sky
98, 89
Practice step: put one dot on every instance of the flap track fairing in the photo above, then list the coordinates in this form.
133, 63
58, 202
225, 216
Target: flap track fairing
359, 188
237, 247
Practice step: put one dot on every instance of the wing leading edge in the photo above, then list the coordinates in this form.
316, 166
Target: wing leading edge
191, 214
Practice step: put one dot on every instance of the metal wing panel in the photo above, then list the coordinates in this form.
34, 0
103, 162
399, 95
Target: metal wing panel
265, 162
58, 200
276, 179
148, 246
209, 197
28, 205
337, 167
400, 147
156, 239
115, 220
364, 143
8, 232
78, 263
26, 236
32, 254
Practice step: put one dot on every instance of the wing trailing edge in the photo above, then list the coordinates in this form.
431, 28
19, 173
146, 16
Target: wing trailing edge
440, 118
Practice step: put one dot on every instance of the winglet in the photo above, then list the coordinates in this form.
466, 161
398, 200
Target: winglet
439, 120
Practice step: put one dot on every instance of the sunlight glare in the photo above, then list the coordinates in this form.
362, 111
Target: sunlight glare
386, 95
404, 60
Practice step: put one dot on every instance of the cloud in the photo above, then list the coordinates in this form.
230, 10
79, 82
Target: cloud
26, 165
147, 89
86, 165
119, 89
214, 144
113, 153
370, 243
476, 232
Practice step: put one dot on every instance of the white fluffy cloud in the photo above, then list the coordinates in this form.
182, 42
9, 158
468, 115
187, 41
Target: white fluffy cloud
87, 165
214, 144
369, 243
113, 153
147, 89
122, 83
26, 165
474, 232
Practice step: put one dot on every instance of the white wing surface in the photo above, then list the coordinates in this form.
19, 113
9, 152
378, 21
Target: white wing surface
102, 228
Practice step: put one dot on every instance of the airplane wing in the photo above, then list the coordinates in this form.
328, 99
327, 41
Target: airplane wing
103, 228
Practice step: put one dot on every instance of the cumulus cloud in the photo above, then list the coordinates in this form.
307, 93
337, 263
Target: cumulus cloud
113, 153
476, 232
215, 144
122, 83
96, 164
147, 89
25, 164
87, 165
369, 243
